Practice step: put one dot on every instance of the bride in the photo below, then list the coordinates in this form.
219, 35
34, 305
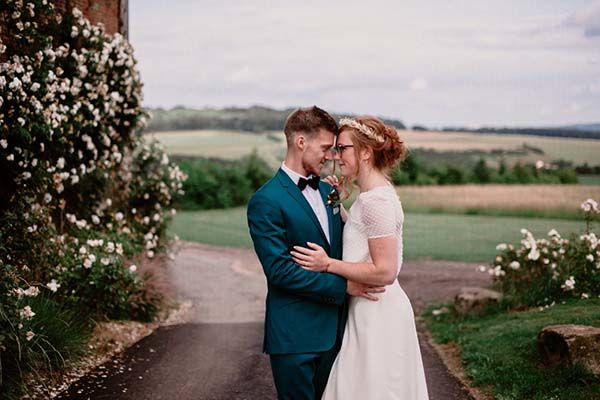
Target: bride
380, 357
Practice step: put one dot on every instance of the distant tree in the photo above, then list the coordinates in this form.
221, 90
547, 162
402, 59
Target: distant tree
502, 169
454, 176
521, 173
257, 170
412, 166
481, 172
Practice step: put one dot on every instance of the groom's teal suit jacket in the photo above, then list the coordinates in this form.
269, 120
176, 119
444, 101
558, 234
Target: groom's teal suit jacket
305, 309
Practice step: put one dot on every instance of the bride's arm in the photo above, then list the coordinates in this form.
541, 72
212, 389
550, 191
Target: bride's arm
343, 213
382, 271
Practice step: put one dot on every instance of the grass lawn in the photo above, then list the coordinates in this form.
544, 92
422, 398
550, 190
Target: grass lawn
500, 353
471, 238
589, 179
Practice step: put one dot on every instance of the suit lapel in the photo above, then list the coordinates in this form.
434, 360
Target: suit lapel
297, 195
324, 194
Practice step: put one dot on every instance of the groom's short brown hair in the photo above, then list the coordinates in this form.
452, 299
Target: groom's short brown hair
309, 120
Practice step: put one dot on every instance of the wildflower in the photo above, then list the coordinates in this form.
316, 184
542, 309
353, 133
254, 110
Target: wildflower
501, 247
514, 265
553, 232
119, 216
95, 219
590, 205
497, 271
569, 284
53, 285
590, 258
534, 254
3, 143
32, 291
29, 335
26, 313
132, 268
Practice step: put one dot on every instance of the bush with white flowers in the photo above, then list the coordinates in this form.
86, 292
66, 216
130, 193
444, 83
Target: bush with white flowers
539, 272
80, 189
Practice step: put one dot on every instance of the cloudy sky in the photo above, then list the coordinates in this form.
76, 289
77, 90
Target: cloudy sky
438, 63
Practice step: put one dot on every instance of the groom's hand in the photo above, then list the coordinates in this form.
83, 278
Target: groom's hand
361, 290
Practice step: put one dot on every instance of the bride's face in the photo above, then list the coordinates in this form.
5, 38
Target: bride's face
345, 155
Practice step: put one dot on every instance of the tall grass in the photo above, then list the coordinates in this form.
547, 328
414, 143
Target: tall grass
61, 335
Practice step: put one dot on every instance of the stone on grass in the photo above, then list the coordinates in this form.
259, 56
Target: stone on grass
569, 344
473, 300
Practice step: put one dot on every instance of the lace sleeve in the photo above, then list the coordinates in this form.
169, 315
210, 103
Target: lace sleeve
379, 216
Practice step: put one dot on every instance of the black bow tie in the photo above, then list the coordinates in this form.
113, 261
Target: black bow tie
313, 182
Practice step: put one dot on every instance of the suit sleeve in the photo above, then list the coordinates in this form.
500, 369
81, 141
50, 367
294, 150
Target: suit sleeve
266, 224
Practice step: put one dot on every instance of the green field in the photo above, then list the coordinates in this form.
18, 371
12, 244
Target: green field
569, 149
470, 238
230, 145
589, 179
271, 145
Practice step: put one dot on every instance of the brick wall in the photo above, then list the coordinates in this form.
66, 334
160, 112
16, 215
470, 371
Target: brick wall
112, 13
106, 11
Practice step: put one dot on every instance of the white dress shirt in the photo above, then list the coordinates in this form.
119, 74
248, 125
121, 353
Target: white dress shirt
314, 199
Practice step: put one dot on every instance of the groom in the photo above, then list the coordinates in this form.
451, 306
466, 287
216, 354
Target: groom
305, 311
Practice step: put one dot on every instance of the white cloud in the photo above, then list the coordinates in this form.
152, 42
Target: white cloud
573, 108
586, 18
419, 84
242, 75
494, 62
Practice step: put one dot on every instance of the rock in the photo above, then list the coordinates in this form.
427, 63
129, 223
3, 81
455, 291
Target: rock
473, 300
558, 344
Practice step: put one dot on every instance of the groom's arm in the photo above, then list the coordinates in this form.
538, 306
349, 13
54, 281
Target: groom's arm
267, 229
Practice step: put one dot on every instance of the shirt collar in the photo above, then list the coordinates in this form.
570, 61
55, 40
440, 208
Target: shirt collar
294, 176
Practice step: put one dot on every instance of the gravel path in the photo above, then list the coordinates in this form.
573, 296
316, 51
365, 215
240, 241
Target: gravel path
217, 353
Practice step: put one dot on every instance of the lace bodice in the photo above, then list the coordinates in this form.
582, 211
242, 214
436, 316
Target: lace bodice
376, 213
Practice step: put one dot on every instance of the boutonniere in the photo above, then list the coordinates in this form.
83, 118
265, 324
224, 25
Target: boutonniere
333, 199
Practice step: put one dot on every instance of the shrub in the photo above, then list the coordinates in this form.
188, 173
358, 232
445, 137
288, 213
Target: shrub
81, 189
540, 272
214, 183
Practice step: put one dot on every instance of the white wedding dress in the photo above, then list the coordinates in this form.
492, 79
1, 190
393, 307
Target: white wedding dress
380, 357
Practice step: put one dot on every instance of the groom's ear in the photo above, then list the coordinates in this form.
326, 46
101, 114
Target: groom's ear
300, 141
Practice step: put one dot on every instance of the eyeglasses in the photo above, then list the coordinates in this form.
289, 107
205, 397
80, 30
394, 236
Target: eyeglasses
339, 149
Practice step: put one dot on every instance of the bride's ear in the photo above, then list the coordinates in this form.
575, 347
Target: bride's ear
366, 154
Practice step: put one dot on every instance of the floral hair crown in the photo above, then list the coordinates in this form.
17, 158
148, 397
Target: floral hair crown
362, 128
